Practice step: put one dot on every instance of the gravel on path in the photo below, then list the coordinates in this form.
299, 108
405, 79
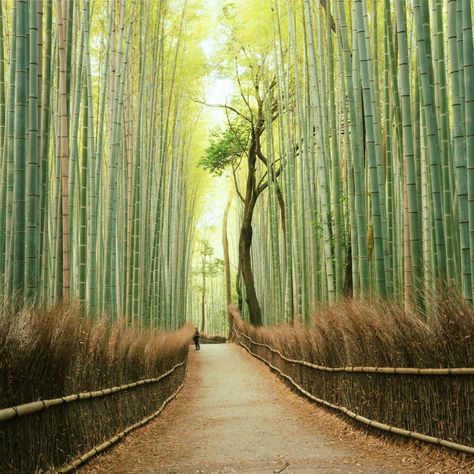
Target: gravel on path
234, 416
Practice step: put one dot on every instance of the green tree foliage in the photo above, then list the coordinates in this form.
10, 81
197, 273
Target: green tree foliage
226, 148
208, 273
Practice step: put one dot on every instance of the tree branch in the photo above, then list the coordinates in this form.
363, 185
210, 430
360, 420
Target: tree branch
330, 17
246, 101
237, 185
224, 106
264, 186
232, 129
262, 179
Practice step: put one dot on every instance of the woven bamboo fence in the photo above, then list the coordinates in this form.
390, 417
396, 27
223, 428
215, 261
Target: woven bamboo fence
429, 404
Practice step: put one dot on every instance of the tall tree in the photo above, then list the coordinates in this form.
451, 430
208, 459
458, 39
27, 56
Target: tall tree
241, 144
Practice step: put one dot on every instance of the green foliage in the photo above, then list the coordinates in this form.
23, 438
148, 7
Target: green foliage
207, 266
225, 149
216, 267
205, 249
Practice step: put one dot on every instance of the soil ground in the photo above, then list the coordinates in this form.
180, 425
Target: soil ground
234, 415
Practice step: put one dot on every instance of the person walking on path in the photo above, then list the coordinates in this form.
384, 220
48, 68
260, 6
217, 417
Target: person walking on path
196, 339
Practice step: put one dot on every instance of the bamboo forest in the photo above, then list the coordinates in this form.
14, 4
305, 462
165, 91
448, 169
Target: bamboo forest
235, 207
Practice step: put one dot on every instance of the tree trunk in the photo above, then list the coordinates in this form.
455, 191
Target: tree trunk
203, 295
225, 247
245, 264
245, 238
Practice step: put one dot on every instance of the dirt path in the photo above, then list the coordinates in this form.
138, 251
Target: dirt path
233, 415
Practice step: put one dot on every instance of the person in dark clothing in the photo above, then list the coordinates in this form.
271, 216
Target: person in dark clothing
196, 339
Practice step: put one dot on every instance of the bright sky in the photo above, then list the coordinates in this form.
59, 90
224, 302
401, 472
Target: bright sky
217, 91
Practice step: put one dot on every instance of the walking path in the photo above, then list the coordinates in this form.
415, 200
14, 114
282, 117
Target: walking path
234, 415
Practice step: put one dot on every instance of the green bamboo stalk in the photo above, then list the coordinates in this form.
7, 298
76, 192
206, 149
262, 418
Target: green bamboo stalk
336, 188
9, 167
68, 10
371, 145
322, 152
90, 200
409, 153
426, 76
64, 151
459, 152
2, 86
356, 152
45, 120
32, 194
110, 297
393, 134
20, 146
468, 68
292, 171
82, 260
348, 168
441, 94
74, 161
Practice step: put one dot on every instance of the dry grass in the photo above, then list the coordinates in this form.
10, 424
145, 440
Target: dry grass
53, 352
384, 334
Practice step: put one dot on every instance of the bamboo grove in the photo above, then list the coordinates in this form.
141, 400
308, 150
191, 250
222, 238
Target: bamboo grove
363, 113
96, 204
349, 145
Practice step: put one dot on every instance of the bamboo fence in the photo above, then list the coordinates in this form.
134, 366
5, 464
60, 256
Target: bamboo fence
368, 370
313, 386
63, 430
35, 407
107, 444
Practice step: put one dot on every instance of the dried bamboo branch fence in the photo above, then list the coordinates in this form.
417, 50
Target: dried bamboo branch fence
428, 404
46, 354
367, 370
107, 444
35, 407
66, 429
366, 421
102, 414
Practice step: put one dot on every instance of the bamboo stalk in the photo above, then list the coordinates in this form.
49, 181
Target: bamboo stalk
64, 151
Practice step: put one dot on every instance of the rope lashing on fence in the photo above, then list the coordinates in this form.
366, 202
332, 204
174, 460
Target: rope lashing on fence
34, 407
102, 447
368, 370
366, 421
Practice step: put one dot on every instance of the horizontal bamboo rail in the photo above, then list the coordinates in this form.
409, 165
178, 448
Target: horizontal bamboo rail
375, 424
368, 370
102, 447
34, 407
